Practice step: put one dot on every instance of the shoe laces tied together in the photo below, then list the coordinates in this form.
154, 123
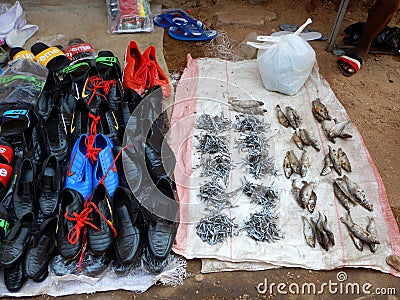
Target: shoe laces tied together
96, 84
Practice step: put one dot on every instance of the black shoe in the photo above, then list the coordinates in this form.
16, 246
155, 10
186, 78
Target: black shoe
41, 276
4, 222
108, 123
93, 89
14, 277
101, 239
56, 135
163, 220
71, 203
125, 215
50, 186
38, 256
16, 240
79, 121
49, 96
25, 198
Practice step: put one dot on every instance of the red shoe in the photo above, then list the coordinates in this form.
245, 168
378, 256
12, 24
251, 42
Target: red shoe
158, 76
135, 75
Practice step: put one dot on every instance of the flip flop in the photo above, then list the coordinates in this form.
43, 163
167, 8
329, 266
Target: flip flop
352, 61
191, 31
293, 28
172, 18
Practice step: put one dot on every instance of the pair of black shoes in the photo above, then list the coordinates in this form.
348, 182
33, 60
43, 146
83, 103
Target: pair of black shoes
95, 214
34, 191
26, 253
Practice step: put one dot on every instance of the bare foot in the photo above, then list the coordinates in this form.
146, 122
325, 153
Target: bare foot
393, 261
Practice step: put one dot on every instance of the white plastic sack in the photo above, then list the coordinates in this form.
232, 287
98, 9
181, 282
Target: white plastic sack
284, 62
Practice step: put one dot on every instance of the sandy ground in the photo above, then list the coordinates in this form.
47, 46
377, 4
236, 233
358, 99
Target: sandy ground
371, 99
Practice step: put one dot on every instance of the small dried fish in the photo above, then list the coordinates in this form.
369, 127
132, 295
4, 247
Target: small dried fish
287, 168
293, 117
326, 126
335, 160
252, 110
294, 161
341, 196
308, 232
309, 139
246, 103
343, 186
371, 228
327, 165
282, 119
319, 110
357, 242
327, 230
312, 202
304, 164
322, 236
337, 130
344, 160
359, 232
297, 140
306, 192
357, 192
301, 133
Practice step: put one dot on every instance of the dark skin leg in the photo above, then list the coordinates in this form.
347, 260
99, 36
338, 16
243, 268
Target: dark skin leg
379, 17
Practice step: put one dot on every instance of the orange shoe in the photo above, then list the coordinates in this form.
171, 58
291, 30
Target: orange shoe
135, 75
158, 76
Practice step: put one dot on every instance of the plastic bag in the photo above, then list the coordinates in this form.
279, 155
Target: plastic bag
284, 62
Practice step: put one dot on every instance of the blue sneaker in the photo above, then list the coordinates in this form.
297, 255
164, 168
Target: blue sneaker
105, 162
80, 172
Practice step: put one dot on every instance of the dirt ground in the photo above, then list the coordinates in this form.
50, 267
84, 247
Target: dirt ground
371, 99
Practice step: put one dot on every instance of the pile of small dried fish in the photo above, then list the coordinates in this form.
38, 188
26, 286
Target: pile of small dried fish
320, 111
252, 107
263, 226
215, 228
214, 196
291, 164
217, 166
212, 144
305, 196
348, 192
335, 160
318, 230
213, 124
252, 140
359, 235
244, 123
259, 163
302, 137
259, 194
335, 130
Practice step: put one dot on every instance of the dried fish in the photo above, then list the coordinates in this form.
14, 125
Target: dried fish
331, 237
335, 160
321, 235
304, 164
312, 202
215, 228
263, 226
287, 168
337, 130
311, 140
294, 161
293, 117
218, 166
343, 186
359, 232
215, 196
357, 192
302, 134
344, 160
319, 110
296, 192
251, 110
371, 228
308, 232
213, 124
327, 165
297, 140
212, 144
282, 119
305, 193
357, 242
326, 126
265, 196
246, 103
245, 122
341, 196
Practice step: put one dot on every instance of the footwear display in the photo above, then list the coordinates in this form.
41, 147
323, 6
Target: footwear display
56, 134
105, 170
79, 50
4, 222
17, 240
101, 233
69, 240
126, 221
49, 186
25, 198
14, 277
38, 256
80, 121
79, 171
51, 58
108, 123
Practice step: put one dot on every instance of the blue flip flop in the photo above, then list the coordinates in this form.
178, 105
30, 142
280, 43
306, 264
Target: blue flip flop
191, 31
172, 18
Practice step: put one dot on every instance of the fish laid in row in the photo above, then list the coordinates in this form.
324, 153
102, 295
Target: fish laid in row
291, 164
323, 234
302, 137
319, 110
359, 232
335, 160
335, 130
290, 118
305, 196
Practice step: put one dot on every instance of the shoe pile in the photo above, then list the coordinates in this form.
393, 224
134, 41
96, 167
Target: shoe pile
85, 172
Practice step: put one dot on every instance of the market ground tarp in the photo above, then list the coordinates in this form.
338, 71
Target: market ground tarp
207, 86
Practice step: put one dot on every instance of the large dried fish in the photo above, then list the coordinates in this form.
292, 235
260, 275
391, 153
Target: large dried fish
344, 160
322, 236
357, 242
319, 110
246, 103
304, 164
252, 110
309, 139
287, 168
337, 130
357, 192
341, 196
335, 160
282, 119
327, 230
308, 232
306, 192
297, 140
293, 117
327, 166
312, 202
371, 228
343, 186
359, 232
294, 161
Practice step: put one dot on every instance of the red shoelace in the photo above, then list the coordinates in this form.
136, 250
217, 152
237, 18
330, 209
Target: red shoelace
98, 86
